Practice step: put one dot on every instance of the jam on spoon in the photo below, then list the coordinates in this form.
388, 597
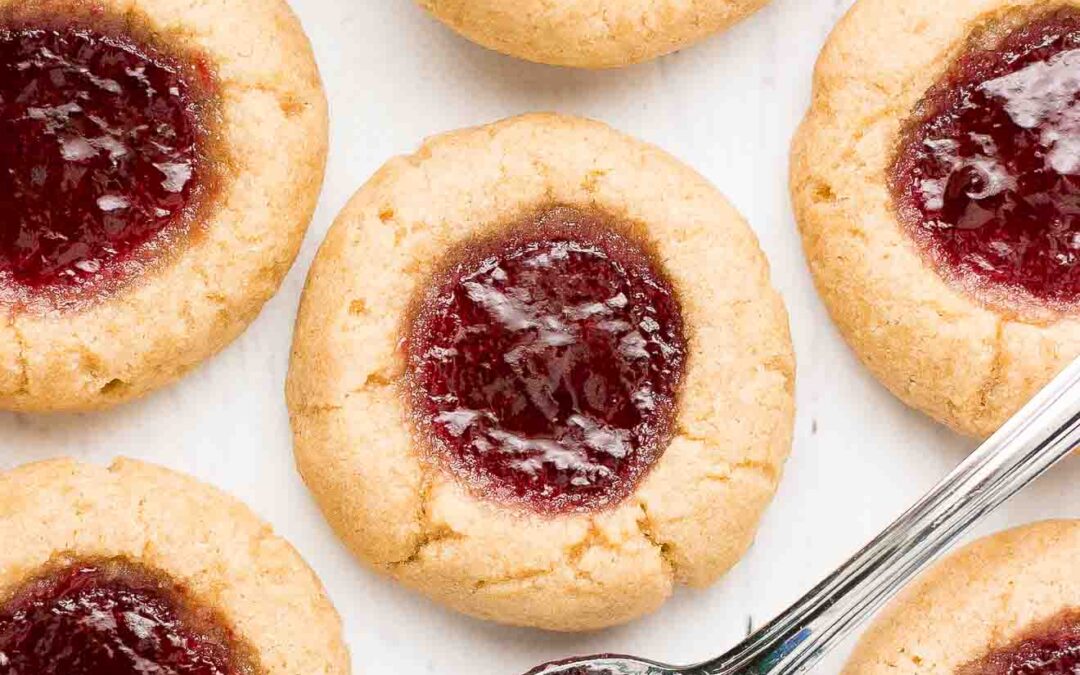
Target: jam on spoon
544, 363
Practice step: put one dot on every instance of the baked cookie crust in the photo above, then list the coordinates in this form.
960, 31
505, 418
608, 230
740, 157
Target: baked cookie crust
272, 133
963, 361
982, 598
232, 562
689, 520
589, 33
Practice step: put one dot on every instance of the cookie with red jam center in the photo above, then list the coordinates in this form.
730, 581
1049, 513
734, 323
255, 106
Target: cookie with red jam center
987, 179
544, 365
105, 145
1008, 604
157, 174
1052, 648
117, 571
533, 362
588, 33
938, 195
112, 617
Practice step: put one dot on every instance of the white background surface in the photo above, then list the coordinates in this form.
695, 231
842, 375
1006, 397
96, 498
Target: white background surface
727, 107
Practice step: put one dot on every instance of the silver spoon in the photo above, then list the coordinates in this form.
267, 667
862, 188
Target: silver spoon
1039, 436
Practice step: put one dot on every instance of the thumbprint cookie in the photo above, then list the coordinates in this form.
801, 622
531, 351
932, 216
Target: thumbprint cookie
540, 375
589, 33
133, 569
1006, 605
937, 187
159, 163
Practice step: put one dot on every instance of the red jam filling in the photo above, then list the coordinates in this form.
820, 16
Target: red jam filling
544, 365
987, 178
100, 151
1053, 649
109, 618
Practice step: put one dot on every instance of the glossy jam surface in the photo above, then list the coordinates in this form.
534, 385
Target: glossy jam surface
1052, 649
101, 162
109, 618
987, 178
544, 366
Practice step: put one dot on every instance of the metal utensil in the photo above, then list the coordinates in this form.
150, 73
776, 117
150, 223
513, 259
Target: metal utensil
1039, 436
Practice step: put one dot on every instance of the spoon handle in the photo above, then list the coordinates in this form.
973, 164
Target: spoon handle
1040, 435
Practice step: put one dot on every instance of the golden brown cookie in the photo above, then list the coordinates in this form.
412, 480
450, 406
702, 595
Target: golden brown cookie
935, 184
589, 33
540, 375
162, 161
1005, 605
115, 571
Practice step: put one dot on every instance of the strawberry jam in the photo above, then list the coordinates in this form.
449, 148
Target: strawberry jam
101, 156
1052, 649
111, 617
544, 364
987, 178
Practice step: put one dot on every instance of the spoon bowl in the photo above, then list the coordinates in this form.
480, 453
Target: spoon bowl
606, 665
